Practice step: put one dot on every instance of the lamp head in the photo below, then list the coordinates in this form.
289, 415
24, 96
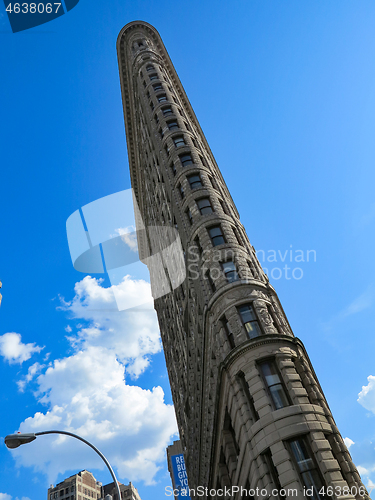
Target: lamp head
15, 440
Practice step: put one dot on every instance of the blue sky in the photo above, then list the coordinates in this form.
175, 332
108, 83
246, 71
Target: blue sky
285, 93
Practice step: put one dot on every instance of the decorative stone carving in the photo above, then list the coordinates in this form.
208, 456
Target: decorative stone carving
264, 316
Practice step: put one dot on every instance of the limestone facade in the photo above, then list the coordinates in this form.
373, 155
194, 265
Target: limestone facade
84, 486
80, 486
249, 406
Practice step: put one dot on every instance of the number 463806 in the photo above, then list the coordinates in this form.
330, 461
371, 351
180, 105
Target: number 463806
33, 8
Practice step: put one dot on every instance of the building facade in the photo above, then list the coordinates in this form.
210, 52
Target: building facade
128, 491
177, 469
80, 486
84, 486
249, 407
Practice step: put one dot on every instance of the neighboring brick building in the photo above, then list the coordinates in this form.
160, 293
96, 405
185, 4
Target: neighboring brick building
81, 486
84, 486
249, 406
128, 492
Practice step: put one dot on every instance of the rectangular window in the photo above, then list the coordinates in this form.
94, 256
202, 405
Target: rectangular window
237, 235
228, 332
194, 181
230, 271
249, 397
229, 427
274, 383
157, 87
154, 76
249, 320
223, 207
186, 160
162, 98
272, 469
179, 141
173, 125
199, 246
214, 183
150, 67
210, 281
216, 236
204, 206
189, 216
306, 467
167, 111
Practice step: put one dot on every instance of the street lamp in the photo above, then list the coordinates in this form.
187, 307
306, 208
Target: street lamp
15, 440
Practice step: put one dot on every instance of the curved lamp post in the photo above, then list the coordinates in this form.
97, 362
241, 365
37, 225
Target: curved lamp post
15, 440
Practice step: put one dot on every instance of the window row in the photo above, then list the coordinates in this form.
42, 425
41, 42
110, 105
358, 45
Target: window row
299, 447
205, 208
305, 465
248, 317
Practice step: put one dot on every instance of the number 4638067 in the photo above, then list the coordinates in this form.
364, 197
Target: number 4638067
33, 8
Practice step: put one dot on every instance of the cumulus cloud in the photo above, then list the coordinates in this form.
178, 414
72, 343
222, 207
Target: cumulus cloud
14, 351
348, 442
31, 373
132, 334
366, 397
128, 235
5, 496
87, 392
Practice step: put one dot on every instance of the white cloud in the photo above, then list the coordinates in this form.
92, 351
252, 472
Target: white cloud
128, 235
363, 471
133, 334
14, 351
348, 442
364, 301
5, 496
86, 393
366, 397
31, 373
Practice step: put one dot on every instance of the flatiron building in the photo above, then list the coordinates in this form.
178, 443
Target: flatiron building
249, 407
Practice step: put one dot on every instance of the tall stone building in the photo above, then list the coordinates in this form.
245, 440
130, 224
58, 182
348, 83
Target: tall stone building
249, 407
